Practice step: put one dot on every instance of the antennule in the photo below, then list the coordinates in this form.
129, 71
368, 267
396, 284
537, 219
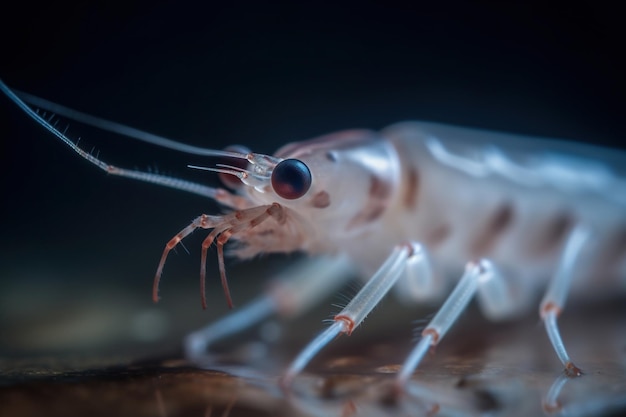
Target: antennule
239, 174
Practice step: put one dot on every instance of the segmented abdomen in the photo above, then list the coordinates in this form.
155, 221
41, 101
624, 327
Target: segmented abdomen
468, 193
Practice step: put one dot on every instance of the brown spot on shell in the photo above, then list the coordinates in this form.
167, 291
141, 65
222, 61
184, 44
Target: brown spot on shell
553, 235
437, 235
378, 193
321, 200
378, 188
411, 190
497, 223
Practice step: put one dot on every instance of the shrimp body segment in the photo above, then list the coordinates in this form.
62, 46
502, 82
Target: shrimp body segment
410, 208
521, 221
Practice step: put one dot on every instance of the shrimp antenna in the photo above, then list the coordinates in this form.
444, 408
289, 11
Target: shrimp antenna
121, 129
224, 169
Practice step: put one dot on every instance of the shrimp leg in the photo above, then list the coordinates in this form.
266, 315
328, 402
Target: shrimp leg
360, 306
482, 277
291, 293
476, 274
554, 299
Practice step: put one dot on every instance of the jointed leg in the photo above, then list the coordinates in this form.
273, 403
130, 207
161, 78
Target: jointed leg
240, 220
554, 299
494, 292
229, 224
204, 221
357, 309
289, 294
476, 274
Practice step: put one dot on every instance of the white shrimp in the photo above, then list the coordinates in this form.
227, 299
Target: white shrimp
407, 207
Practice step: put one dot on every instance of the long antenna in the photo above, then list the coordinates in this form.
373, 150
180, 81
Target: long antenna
217, 194
118, 128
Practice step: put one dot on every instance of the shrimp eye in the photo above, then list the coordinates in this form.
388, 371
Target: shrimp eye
291, 179
232, 181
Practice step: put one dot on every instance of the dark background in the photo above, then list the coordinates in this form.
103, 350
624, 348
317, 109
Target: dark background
261, 75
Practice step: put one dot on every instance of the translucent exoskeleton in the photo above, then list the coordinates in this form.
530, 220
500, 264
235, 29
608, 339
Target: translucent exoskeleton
435, 212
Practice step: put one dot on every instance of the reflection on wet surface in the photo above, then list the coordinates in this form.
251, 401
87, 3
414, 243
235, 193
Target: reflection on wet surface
504, 369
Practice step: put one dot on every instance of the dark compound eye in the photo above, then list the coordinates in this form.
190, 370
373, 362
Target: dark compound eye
291, 179
231, 181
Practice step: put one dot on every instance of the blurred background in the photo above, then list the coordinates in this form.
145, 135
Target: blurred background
78, 248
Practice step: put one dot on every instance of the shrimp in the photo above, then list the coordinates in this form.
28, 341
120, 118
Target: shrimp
410, 208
